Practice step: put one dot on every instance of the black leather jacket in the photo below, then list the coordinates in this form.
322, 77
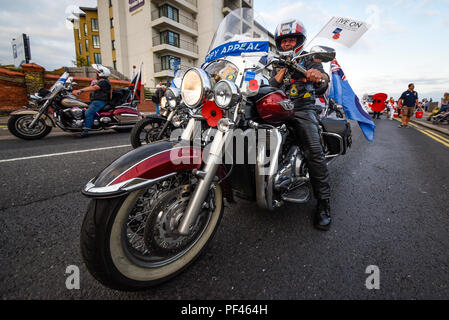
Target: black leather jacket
302, 94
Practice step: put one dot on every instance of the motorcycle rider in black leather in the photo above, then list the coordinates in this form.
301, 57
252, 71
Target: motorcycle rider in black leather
290, 38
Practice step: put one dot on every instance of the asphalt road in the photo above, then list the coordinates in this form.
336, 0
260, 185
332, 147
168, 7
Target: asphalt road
389, 203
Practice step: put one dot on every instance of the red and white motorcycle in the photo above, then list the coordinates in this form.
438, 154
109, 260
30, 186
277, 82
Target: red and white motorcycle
155, 209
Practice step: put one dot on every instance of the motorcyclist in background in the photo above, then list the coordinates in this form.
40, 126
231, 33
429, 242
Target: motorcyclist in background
290, 38
100, 96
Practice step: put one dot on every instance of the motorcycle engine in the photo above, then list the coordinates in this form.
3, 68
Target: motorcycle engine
74, 117
77, 113
292, 171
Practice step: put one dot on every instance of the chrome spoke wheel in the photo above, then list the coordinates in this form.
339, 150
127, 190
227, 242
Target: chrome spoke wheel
23, 125
150, 237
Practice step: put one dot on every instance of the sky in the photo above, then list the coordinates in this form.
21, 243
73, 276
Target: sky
407, 41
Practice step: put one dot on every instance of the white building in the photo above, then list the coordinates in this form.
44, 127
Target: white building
158, 32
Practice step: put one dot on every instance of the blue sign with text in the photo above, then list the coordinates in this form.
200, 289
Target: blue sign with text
236, 48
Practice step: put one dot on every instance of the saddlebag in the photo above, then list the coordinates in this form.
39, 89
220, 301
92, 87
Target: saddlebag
340, 127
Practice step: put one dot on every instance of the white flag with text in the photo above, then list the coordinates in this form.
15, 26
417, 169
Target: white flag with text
344, 30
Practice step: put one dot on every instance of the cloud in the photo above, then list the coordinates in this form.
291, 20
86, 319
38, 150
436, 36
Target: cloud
44, 21
308, 14
431, 13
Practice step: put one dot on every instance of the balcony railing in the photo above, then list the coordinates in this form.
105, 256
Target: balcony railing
159, 67
182, 44
232, 4
192, 2
156, 14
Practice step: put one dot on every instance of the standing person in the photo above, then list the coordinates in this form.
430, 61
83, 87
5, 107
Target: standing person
391, 108
290, 37
409, 100
157, 96
426, 105
100, 96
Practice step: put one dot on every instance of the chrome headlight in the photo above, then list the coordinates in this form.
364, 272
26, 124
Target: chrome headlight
195, 85
172, 95
225, 94
163, 103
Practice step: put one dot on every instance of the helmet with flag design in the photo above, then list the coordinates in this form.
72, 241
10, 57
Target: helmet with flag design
290, 29
102, 71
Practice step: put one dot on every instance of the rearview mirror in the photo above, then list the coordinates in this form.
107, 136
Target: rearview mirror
325, 54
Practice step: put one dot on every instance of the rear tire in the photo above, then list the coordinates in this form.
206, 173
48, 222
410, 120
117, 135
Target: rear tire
105, 243
17, 125
146, 131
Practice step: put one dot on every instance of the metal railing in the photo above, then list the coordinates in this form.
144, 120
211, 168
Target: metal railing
192, 2
182, 44
155, 14
158, 67
231, 4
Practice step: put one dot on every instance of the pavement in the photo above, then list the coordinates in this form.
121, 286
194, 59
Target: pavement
442, 128
389, 206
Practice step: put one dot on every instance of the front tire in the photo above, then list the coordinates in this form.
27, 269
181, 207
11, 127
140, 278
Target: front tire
147, 130
124, 247
19, 126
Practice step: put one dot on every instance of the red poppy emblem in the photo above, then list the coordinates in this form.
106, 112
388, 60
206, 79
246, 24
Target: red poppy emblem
212, 113
253, 85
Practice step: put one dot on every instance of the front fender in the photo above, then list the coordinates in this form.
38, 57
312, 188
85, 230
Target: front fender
25, 111
143, 167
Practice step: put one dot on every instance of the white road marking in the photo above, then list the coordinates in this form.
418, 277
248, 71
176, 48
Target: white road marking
64, 153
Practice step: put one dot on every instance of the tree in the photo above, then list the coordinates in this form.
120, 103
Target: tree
80, 62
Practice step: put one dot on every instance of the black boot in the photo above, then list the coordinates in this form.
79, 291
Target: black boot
322, 219
82, 134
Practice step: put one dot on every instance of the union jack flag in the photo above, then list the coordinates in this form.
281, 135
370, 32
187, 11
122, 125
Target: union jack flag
335, 68
342, 93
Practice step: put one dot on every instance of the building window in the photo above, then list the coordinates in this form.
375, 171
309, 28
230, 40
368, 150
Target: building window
167, 62
85, 29
112, 22
170, 37
113, 44
87, 45
88, 61
80, 48
97, 57
96, 42
79, 34
94, 23
115, 64
169, 12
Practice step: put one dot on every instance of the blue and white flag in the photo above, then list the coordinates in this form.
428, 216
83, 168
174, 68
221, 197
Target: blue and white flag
343, 95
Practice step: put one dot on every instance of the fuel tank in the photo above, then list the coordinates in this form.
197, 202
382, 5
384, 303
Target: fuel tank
70, 103
274, 106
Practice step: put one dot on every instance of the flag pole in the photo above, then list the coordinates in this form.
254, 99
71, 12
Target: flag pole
319, 32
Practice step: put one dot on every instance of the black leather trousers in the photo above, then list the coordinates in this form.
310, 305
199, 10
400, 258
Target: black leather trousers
306, 126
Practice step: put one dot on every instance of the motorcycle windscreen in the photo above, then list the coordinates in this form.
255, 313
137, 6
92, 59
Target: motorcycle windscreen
238, 33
